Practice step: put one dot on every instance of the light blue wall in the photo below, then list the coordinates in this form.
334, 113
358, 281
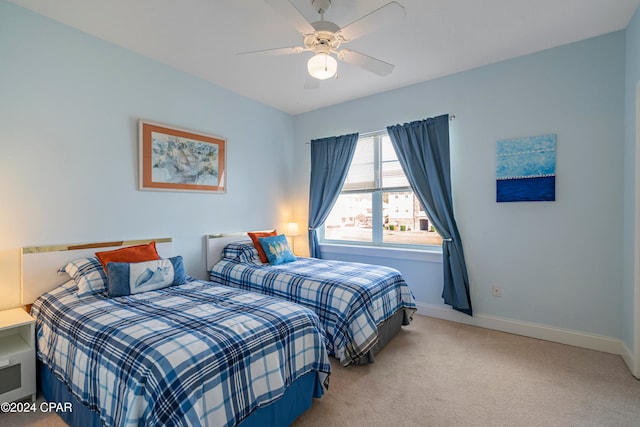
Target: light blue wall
632, 80
559, 263
69, 105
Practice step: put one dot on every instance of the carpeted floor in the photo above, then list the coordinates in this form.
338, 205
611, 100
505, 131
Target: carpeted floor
439, 373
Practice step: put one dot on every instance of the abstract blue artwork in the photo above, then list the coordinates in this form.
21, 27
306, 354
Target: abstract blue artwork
526, 169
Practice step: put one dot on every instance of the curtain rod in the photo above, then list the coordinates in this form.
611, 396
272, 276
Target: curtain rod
451, 117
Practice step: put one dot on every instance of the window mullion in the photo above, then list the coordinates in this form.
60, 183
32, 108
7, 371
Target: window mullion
376, 196
377, 162
376, 217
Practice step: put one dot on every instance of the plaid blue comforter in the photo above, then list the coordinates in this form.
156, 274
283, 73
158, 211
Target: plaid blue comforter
351, 299
196, 354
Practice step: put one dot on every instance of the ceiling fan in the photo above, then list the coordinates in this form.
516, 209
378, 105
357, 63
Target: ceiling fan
324, 38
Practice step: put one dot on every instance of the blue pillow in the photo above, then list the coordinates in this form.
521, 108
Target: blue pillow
125, 278
277, 249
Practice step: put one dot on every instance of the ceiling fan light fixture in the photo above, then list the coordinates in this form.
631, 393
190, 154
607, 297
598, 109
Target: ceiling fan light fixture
322, 66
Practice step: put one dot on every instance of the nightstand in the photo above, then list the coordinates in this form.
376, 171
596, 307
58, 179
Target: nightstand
17, 355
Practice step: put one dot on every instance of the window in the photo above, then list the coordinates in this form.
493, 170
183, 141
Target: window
376, 205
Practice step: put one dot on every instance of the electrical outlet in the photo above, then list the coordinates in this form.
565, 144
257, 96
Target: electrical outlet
496, 291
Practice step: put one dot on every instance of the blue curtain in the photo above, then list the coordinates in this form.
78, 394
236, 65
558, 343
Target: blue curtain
423, 151
330, 160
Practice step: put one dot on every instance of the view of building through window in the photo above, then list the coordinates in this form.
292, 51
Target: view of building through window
350, 219
376, 204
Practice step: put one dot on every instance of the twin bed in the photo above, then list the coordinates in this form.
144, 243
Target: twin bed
361, 306
248, 348
197, 353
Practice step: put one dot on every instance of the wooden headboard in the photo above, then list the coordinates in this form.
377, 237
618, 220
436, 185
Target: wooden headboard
40, 264
215, 243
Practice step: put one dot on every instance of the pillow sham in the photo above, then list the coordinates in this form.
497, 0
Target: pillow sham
137, 253
124, 278
255, 236
88, 275
242, 251
277, 249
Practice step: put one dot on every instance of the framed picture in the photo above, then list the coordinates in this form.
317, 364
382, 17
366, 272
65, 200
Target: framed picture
174, 159
526, 169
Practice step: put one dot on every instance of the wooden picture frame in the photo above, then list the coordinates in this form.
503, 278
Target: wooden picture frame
172, 159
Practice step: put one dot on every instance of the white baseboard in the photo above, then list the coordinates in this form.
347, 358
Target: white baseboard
533, 330
627, 356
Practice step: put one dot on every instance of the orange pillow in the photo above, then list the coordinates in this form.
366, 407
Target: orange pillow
138, 253
255, 235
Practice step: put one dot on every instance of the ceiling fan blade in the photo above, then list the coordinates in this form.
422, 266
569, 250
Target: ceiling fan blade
276, 51
289, 12
385, 15
367, 62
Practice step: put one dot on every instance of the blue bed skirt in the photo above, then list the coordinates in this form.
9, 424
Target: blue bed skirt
283, 412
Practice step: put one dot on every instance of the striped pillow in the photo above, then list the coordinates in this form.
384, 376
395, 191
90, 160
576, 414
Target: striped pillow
88, 275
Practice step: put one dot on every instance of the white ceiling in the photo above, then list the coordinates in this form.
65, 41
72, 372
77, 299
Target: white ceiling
436, 38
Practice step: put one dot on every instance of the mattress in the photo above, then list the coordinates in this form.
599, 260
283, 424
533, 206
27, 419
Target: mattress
351, 299
195, 354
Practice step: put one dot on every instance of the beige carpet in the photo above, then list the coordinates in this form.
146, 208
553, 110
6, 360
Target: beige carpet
439, 373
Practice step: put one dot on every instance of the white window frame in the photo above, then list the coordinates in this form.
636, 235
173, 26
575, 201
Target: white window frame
376, 206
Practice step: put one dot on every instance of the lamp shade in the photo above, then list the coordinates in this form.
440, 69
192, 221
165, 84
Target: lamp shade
293, 229
322, 66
